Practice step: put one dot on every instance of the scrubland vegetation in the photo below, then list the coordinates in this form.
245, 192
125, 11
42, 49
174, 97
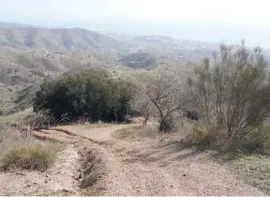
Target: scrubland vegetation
19, 150
226, 101
227, 95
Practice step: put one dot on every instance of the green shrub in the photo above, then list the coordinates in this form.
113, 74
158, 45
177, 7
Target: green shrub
28, 156
85, 93
232, 91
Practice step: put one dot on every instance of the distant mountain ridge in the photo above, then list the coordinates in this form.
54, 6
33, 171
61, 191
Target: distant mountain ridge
55, 40
12, 25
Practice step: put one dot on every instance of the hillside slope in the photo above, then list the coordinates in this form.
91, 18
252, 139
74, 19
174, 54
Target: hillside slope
56, 40
28, 55
22, 71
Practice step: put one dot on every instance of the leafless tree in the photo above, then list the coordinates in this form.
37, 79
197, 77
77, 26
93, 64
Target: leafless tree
142, 104
167, 95
39, 120
34, 121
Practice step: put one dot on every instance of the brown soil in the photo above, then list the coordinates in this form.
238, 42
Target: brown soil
152, 167
131, 167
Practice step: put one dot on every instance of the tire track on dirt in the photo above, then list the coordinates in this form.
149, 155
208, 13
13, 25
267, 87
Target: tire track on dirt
147, 168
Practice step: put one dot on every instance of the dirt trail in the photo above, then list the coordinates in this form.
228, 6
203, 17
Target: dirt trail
149, 167
133, 167
102, 134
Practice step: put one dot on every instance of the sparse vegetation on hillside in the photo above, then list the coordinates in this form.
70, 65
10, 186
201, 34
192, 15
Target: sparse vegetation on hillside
55, 40
28, 55
223, 106
138, 60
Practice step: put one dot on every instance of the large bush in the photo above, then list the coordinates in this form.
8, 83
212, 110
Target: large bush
85, 93
233, 91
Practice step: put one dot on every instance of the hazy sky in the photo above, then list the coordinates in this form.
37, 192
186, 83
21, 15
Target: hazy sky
233, 11
204, 20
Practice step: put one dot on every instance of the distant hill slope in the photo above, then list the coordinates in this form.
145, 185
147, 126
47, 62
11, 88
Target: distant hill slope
22, 71
12, 25
28, 55
56, 40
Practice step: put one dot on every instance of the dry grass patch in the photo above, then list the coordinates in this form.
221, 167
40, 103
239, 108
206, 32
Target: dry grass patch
150, 131
24, 153
29, 157
210, 137
15, 118
204, 136
249, 156
255, 170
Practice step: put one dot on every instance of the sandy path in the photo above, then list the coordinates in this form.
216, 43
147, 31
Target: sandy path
133, 167
148, 167
102, 134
